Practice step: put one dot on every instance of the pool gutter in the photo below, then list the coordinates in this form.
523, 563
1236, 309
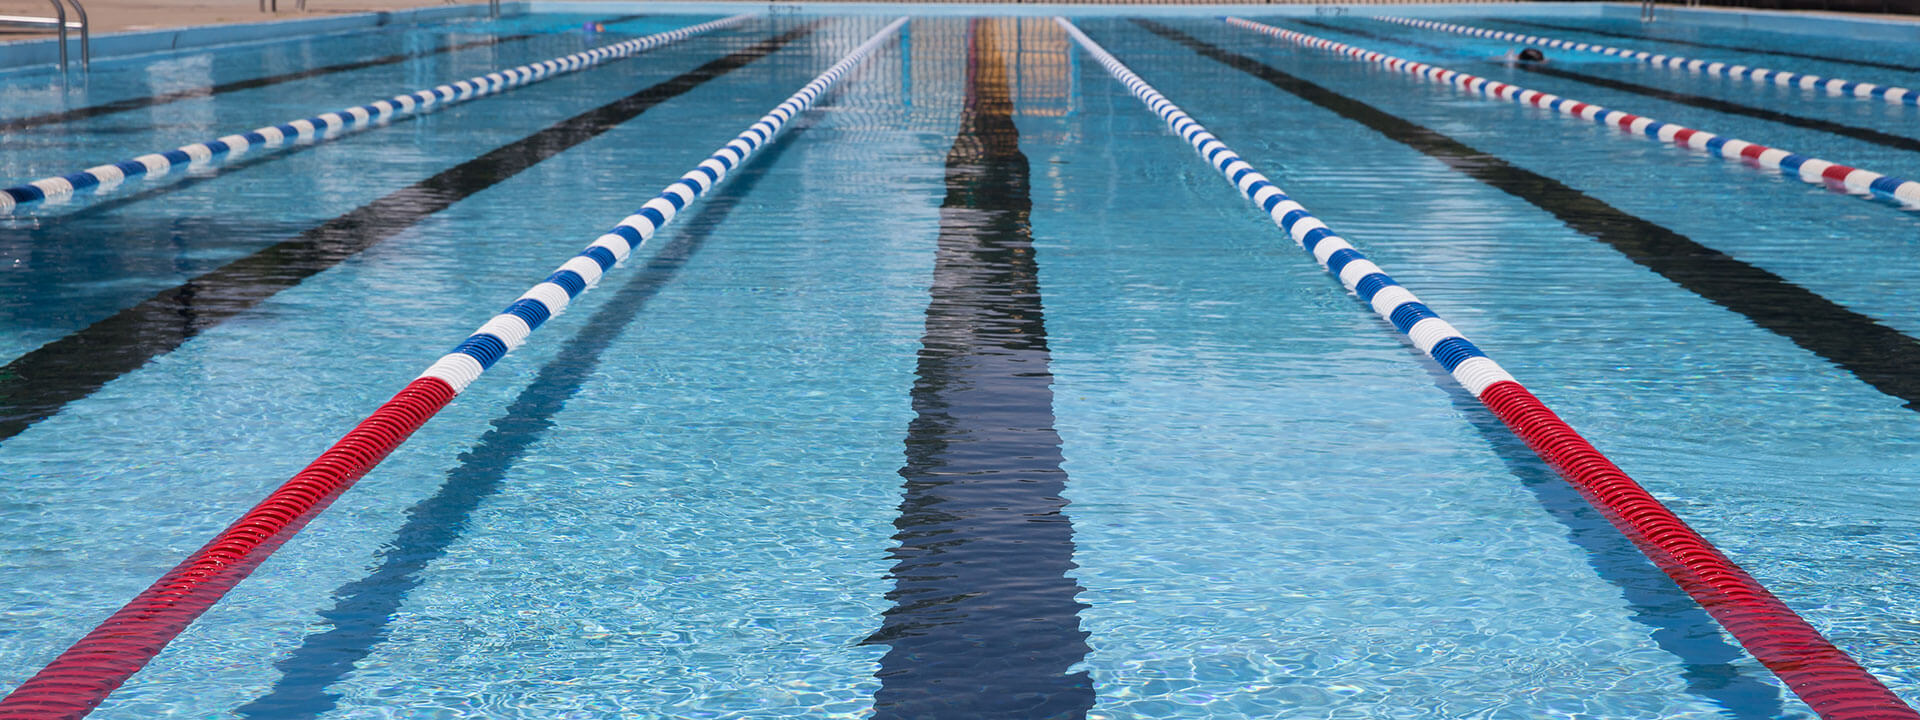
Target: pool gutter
1895, 28
45, 52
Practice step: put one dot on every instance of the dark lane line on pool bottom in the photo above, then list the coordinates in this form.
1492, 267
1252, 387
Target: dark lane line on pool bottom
1430, 47
1887, 140
985, 622
217, 170
1878, 355
120, 106
364, 609
1691, 43
1680, 627
38, 384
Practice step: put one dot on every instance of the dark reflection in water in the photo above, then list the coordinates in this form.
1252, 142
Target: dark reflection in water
364, 609
985, 622
38, 384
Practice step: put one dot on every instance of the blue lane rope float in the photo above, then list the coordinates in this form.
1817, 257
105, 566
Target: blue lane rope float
86, 673
510, 328
327, 125
1810, 169
1824, 676
1804, 81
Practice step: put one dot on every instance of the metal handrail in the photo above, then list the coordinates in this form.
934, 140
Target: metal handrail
60, 17
86, 41
33, 22
60, 28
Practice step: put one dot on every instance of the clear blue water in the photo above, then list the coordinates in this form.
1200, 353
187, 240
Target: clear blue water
679, 499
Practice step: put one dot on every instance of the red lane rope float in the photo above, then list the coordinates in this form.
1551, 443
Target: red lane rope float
83, 676
1825, 677
1828, 680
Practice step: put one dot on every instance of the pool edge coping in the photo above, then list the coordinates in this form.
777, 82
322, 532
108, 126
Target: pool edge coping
1895, 28
45, 51
27, 54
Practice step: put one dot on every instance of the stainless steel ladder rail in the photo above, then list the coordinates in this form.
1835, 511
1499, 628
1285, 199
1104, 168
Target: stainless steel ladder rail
60, 27
86, 39
60, 21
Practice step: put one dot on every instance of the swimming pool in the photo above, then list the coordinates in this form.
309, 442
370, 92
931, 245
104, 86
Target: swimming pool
1196, 479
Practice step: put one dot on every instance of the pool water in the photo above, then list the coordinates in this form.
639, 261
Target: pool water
977, 394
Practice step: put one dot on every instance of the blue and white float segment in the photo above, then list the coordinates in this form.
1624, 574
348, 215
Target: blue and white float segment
1432, 335
1807, 168
324, 125
1835, 685
1833, 86
510, 328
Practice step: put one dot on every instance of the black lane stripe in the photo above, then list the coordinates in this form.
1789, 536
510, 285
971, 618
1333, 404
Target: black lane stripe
363, 610
1736, 48
1710, 666
38, 384
1880, 356
1373, 36
985, 622
1887, 140
100, 203
218, 170
120, 106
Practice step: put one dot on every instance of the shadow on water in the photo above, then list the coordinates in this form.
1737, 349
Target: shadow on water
364, 609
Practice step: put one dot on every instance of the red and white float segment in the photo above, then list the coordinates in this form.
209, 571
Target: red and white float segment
80, 678
1809, 169
1833, 86
327, 126
1824, 676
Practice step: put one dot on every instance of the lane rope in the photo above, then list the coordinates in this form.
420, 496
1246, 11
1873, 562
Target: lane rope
1809, 169
83, 676
1833, 86
330, 125
1824, 676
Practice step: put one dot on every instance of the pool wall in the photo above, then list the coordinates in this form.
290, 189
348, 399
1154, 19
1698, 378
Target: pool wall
1863, 27
47, 51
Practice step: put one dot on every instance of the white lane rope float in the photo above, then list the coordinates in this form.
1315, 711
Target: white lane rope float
1836, 686
327, 126
86, 673
1804, 81
1808, 169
